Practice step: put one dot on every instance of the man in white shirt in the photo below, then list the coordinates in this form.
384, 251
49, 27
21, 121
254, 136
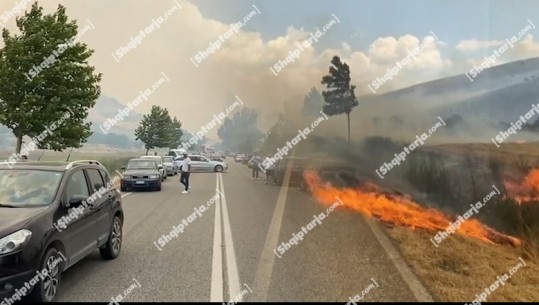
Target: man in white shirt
185, 170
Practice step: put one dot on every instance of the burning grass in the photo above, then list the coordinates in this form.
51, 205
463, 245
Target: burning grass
459, 268
526, 191
400, 210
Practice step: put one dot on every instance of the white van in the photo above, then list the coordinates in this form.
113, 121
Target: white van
175, 153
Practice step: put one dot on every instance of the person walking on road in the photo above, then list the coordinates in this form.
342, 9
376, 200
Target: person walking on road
185, 170
256, 169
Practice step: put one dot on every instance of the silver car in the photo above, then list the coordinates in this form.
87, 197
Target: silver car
170, 166
202, 164
160, 164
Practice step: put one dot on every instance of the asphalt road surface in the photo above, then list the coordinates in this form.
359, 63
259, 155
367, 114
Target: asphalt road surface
227, 251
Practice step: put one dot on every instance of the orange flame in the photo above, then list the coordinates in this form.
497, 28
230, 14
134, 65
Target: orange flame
400, 210
526, 191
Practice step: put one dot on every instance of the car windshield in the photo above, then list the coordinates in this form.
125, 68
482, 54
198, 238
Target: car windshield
156, 158
141, 164
28, 188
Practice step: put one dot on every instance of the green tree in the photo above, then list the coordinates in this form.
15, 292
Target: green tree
176, 133
340, 97
154, 129
44, 74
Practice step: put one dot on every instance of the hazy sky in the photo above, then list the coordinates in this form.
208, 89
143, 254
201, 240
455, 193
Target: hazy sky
371, 37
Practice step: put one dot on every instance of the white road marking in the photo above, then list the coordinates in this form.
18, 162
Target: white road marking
126, 194
217, 287
265, 265
231, 265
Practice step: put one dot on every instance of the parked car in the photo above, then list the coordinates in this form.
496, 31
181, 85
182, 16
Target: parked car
240, 157
299, 164
200, 163
141, 173
160, 165
40, 231
170, 167
340, 173
216, 158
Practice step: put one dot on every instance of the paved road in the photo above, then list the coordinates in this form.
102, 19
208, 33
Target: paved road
227, 250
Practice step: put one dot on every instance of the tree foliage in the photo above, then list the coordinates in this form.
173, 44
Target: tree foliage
158, 129
44, 74
340, 97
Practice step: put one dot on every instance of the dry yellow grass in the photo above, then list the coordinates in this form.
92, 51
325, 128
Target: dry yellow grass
508, 153
461, 268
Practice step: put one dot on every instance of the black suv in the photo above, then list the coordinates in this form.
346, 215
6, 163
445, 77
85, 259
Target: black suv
52, 215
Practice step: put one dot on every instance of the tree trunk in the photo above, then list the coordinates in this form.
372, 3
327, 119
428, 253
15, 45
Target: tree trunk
147, 149
348, 116
19, 144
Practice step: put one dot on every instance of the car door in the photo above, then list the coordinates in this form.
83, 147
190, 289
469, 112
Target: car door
102, 203
195, 163
178, 161
205, 164
80, 234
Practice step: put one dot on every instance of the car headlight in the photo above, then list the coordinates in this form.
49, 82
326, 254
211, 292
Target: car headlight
15, 241
127, 177
153, 177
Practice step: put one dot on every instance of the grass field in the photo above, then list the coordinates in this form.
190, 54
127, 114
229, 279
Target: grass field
510, 153
461, 268
110, 158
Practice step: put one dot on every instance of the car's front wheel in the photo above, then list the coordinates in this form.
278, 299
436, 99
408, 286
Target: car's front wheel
218, 168
46, 290
111, 249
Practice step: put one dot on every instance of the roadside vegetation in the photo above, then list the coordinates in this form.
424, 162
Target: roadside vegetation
449, 178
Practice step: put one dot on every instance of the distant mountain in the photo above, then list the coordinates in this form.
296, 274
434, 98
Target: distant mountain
505, 104
476, 107
460, 87
107, 108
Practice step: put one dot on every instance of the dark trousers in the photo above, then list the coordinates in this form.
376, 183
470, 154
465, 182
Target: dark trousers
269, 175
184, 179
255, 171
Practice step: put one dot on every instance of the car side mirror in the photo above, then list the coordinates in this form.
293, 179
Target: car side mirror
77, 200
160, 166
123, 167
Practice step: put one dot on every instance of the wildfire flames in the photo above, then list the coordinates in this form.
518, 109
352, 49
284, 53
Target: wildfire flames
525, 191
400, 210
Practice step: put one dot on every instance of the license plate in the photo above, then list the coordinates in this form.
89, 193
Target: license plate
140, 182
